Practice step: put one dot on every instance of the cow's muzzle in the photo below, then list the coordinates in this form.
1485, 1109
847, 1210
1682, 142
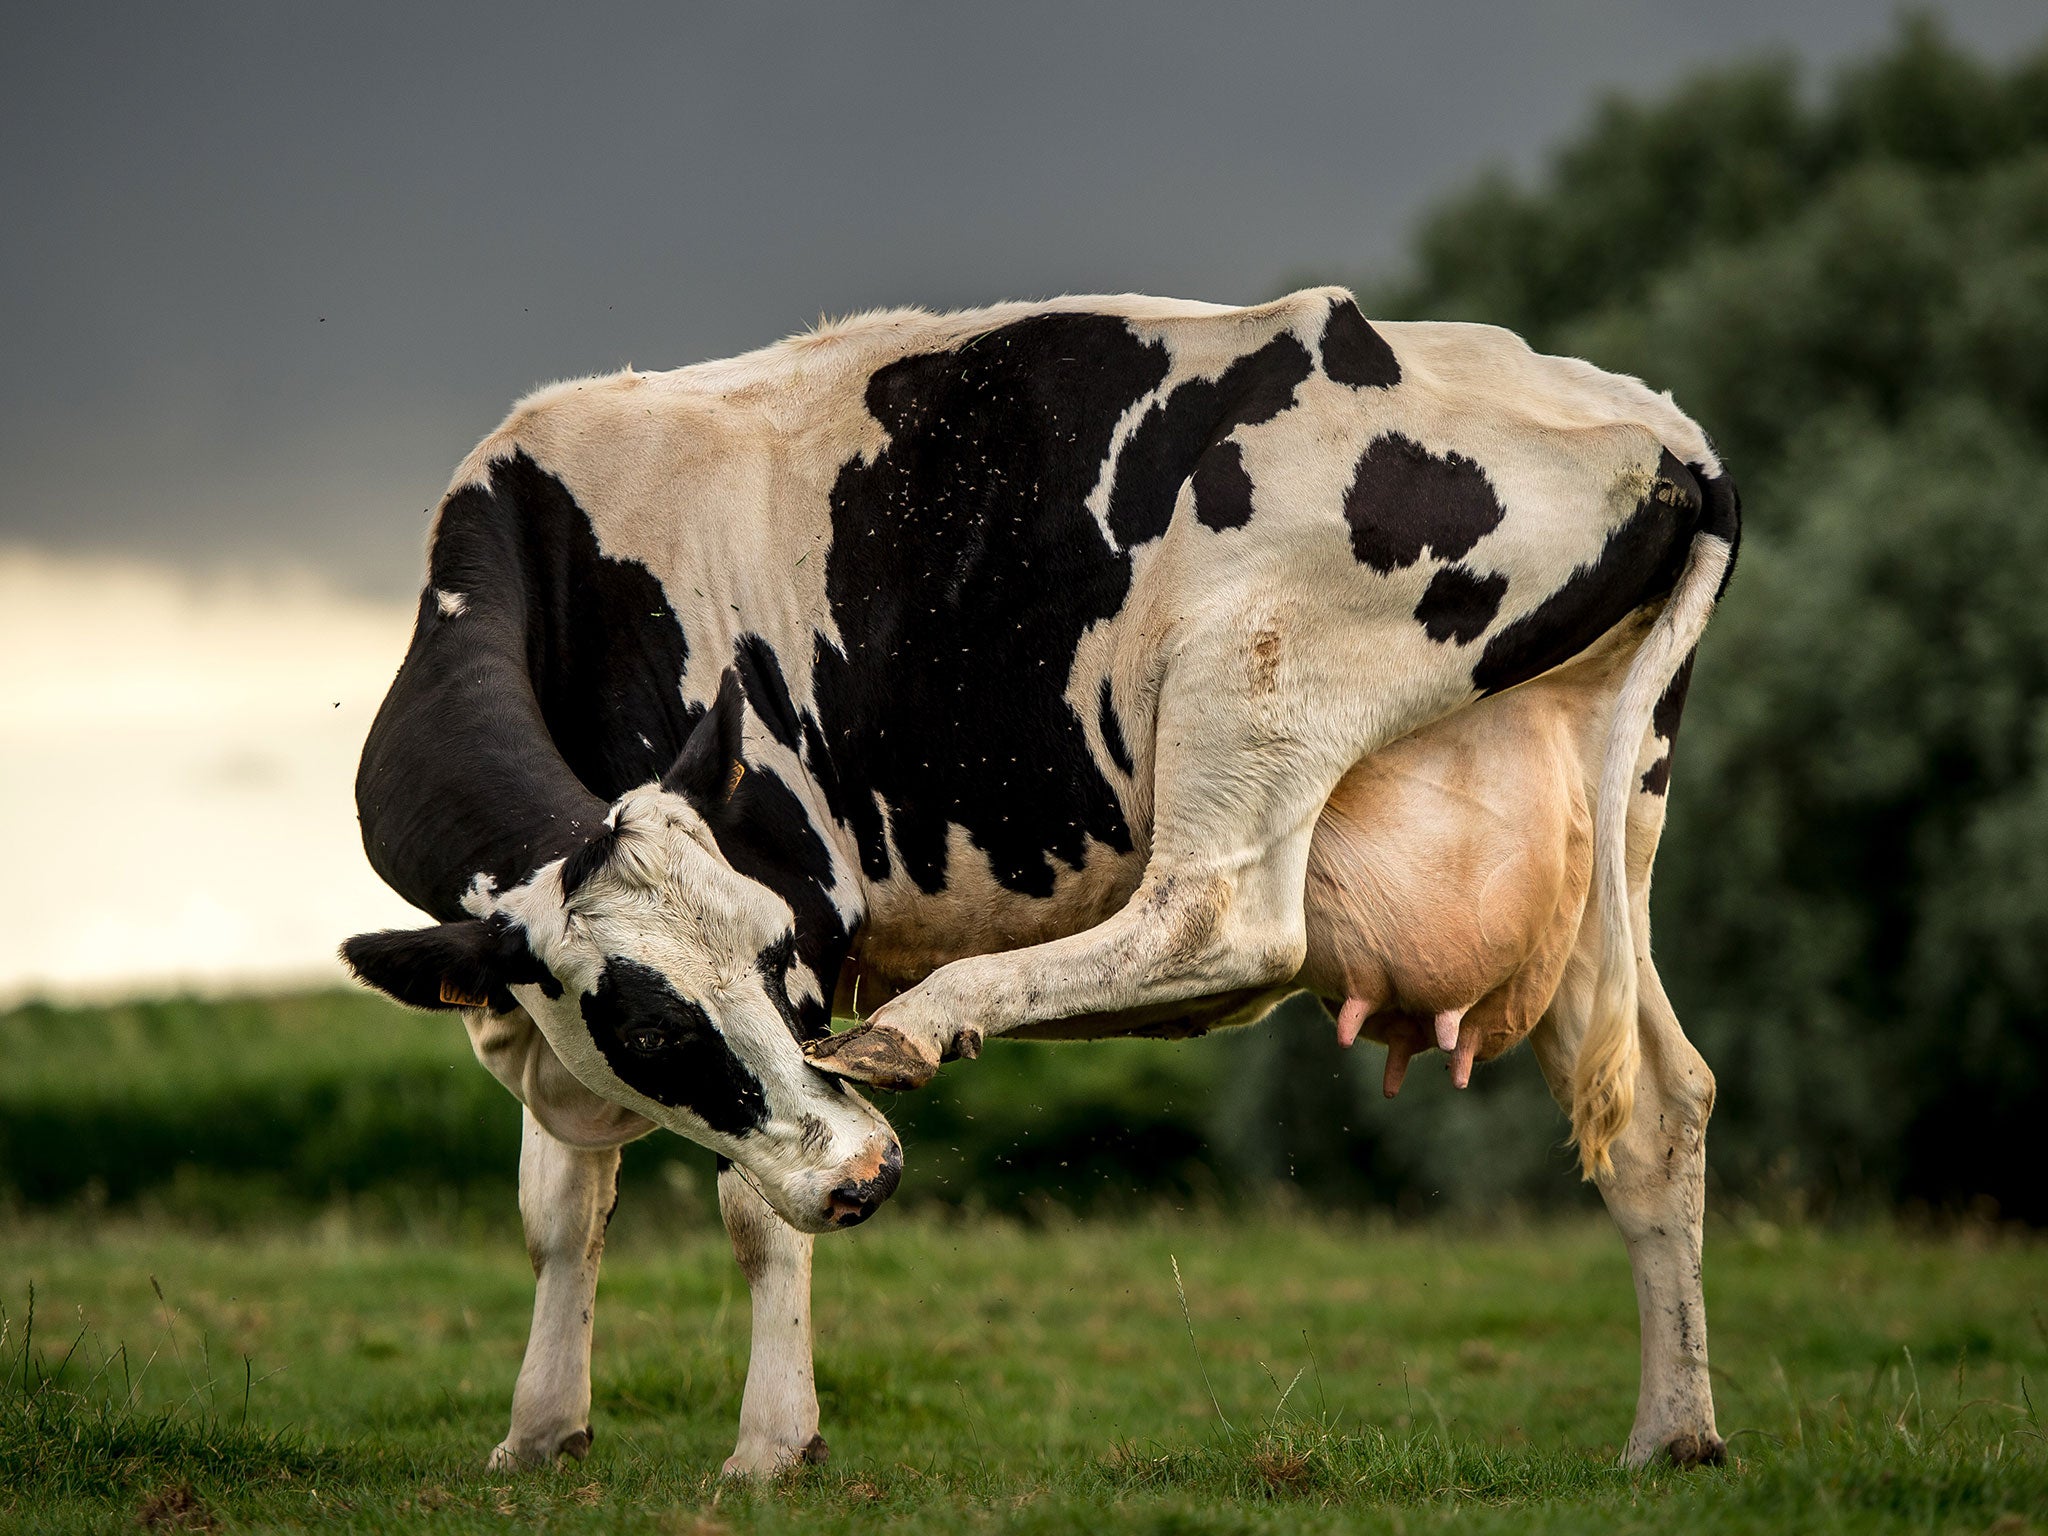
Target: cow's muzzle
872, 1178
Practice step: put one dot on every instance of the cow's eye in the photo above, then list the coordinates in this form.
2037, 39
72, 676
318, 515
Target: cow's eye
646, 1039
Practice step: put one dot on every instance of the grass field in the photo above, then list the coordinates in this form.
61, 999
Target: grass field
982, 1375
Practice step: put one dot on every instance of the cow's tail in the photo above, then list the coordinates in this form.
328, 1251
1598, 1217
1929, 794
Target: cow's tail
1604, 1077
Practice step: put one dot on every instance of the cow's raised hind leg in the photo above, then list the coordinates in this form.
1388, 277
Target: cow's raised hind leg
1657, 1195
1244, 765
779, 1411
566, 1196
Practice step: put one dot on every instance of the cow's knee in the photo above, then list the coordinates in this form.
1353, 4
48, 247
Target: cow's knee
1219, 928
1666, 1135
1689, 1087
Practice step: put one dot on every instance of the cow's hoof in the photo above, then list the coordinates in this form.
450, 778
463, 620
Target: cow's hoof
874, 1054
774, 1460
531, 1457
1708, 1450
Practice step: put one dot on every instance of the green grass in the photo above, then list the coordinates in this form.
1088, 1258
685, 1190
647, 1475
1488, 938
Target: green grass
984, 1375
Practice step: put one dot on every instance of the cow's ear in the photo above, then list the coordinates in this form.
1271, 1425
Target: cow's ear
709, 768
450, 965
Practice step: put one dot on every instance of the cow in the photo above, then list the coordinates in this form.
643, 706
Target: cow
1065, 669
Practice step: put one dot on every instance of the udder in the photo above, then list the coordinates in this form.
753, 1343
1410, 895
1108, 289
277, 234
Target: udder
1446, 882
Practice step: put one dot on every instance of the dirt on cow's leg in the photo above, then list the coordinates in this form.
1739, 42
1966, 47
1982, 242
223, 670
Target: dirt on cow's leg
779, 1409
1657, 1196
878, 1056
566, 1196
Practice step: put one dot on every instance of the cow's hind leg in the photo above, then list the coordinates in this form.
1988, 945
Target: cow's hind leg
779, 1411
1240, 779
566, 1195
1657, 1195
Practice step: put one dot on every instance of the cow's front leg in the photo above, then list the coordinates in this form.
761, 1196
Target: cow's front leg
566, 1196
1657, 1196
779, 1411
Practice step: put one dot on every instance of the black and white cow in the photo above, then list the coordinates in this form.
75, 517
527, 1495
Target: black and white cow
1011, 659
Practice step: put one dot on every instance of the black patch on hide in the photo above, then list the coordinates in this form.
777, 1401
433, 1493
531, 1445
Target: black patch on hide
760, 672
1223, 488
1638, 565
1356, 354
964, 569
1664, 724
1459, 603
1113, 732
1721, 516
665, 1046
1404, 500
805, 1021
1192, 422
511, 725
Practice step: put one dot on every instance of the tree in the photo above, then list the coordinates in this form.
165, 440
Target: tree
1851, 294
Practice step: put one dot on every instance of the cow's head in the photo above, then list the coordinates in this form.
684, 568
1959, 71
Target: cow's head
662, 978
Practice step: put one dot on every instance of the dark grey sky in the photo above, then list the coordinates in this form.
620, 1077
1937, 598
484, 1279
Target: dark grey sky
270, 270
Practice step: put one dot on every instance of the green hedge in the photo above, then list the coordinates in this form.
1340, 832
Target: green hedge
302, 1098
214, 1105
217, 1109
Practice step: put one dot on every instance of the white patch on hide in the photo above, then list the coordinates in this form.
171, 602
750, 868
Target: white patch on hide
481, 899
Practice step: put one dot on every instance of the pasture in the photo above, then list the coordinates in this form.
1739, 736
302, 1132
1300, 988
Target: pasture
986, 1375
344, 1362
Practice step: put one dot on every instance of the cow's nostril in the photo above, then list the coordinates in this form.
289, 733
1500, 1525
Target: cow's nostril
851, 1204
856, 1200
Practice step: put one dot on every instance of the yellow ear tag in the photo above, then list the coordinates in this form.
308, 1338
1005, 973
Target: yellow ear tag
732, 779
450, 993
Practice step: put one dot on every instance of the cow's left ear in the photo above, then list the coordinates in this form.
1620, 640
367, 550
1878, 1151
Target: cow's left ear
470, 964
709, 767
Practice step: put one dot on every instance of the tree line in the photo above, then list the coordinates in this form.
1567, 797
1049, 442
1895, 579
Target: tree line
1849, 289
